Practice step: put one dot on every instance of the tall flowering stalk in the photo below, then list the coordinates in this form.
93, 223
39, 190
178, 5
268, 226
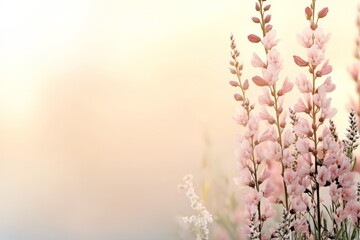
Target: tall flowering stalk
311, 155
271, 97
311, 158
316, 106
254, 170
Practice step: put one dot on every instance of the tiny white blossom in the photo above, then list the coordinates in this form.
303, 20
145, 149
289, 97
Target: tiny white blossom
201, 218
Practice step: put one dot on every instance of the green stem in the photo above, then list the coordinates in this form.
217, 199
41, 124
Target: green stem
314, 127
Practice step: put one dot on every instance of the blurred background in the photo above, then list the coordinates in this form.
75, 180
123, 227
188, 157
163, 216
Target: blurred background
105, 105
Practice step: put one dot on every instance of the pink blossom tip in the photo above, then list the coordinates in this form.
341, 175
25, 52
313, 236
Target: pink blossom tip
323, 12
253, 38
300, 62
259, 81
234, 83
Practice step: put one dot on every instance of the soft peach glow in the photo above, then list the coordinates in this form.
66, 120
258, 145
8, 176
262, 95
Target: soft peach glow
104, 106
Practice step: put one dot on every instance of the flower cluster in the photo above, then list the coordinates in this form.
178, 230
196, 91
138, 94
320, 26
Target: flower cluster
292, 162
202, 217
312, 158
251, 159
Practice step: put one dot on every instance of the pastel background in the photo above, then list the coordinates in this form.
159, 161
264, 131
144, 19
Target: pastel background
104, 106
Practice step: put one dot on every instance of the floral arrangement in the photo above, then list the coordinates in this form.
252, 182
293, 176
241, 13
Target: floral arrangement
297, 175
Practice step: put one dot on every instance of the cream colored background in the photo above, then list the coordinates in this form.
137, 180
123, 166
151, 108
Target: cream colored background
104, 106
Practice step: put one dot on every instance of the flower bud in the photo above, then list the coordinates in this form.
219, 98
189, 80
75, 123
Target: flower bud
267, 18
268, 28
233, 71
238, 97
300, 62
255, 20
323, 12
313, 26
246, 84
259, 81
234, 83
271, 121
267, 7
308, 13
253, 38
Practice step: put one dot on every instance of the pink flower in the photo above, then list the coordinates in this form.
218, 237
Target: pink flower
329, 86
264, 175
354, 71
270, 75
288, 158
251, 127
265, 99
245, 178
334, 192
323, 176
329, 143
276, 178
304, 85
304, 159
305, 181
269, 40
303, 127
295, 188
344, 163
288, 138
257, 62
320, 38
348, 194
353, 209
325, 69
244, 152
253, 197
320, 99
303, 172
274, 60
334, 171
269, 211
341, 215
268, 135
346, 180
259, 153
250, 210
264, 115
305, 39
301, 107
328, 113
286, 87
303, 145
300, 225
298, 204
269, 189
274, 151
315, 55
240, 116
289, 176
